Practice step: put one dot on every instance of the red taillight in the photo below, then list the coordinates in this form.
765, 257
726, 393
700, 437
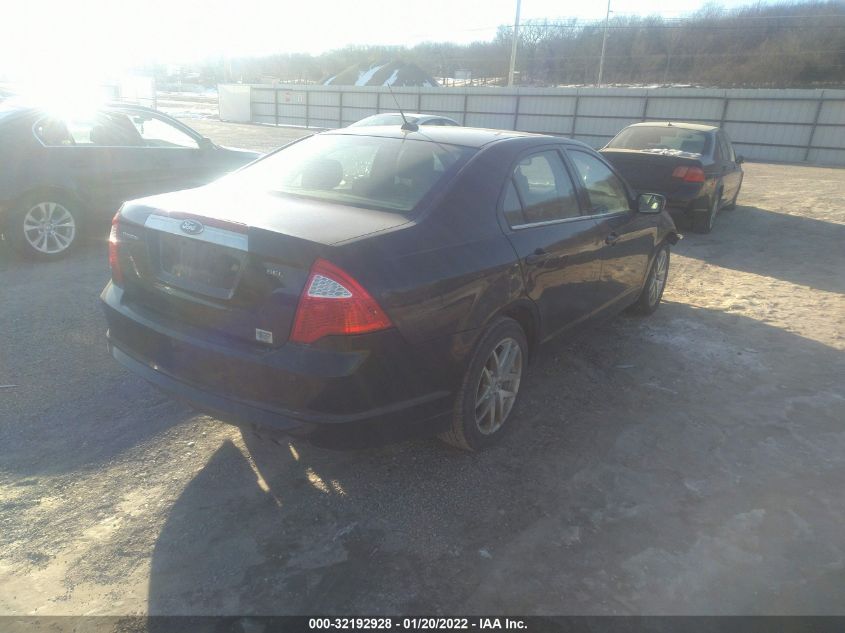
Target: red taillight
114, 245
689, 174
333, 303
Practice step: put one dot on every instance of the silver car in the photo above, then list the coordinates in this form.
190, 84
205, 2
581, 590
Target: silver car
395, 118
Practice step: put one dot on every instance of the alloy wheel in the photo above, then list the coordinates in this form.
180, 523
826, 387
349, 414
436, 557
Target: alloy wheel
711, 219
498, 386
49, 228
658, 279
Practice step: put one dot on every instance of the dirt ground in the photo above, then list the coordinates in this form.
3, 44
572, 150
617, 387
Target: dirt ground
688, 463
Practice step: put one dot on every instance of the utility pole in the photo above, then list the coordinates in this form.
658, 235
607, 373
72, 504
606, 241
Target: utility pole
603, 44
513, 44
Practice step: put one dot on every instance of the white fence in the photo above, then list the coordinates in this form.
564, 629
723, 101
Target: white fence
767, 125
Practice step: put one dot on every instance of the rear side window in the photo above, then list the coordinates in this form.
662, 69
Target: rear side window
156, 132
545, 190
607, 193
512, 207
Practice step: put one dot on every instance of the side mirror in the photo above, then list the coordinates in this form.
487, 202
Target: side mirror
206, 143
651, 203
739, 160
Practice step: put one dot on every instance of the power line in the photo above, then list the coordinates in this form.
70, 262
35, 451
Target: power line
660, 55
569, 22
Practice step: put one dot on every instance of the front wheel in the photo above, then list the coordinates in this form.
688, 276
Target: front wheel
490, 388
655, 284
45, 227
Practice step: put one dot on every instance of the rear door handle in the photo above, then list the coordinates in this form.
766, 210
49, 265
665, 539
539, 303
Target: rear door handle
611, 239
537, 257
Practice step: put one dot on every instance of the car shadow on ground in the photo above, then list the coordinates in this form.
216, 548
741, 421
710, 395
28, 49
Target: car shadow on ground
739, 241
623, 490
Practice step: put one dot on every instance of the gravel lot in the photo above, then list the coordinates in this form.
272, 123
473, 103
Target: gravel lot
693, 462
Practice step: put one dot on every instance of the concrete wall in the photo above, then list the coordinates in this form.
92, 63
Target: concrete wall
766, 125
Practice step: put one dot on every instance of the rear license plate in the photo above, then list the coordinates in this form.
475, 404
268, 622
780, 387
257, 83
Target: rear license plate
192, 262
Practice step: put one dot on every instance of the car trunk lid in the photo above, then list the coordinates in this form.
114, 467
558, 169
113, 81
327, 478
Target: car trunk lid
651, 171
233, 269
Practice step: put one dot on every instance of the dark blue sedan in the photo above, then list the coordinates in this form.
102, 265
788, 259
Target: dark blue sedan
378, 281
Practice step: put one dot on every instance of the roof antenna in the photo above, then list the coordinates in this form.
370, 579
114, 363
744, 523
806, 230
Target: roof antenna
407, 126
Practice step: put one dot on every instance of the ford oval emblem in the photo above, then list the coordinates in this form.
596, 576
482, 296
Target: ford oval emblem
192, 227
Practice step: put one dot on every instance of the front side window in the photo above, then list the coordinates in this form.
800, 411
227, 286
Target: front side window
607, 193
54, 132
391, 174
545, 188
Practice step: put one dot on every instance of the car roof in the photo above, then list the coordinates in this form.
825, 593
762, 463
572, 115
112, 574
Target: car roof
679, 124
452, 135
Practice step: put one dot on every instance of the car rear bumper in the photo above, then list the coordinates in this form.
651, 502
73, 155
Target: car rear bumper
302, 390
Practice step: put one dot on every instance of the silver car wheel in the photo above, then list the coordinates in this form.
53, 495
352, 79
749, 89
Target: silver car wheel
711, 219
498, 386
658, 279
49, 228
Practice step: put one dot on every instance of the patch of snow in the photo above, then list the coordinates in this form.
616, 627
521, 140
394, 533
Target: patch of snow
392, 79
365, 76
329, 80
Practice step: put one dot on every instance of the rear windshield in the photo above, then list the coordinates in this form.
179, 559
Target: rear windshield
659, 138
390, 174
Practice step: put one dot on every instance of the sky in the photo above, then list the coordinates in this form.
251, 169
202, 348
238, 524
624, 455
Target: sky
96, 38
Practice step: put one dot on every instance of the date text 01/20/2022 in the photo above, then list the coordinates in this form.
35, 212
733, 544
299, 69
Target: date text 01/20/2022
431, 624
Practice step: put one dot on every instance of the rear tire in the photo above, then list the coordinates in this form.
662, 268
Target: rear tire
490, 388
655, 284
44, 226
732, 205
703, 220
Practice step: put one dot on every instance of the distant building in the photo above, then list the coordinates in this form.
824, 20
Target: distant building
395, 73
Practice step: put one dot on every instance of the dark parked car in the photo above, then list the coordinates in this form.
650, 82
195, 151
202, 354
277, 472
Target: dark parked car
60, 174
372, 279
694, 166
395, 118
